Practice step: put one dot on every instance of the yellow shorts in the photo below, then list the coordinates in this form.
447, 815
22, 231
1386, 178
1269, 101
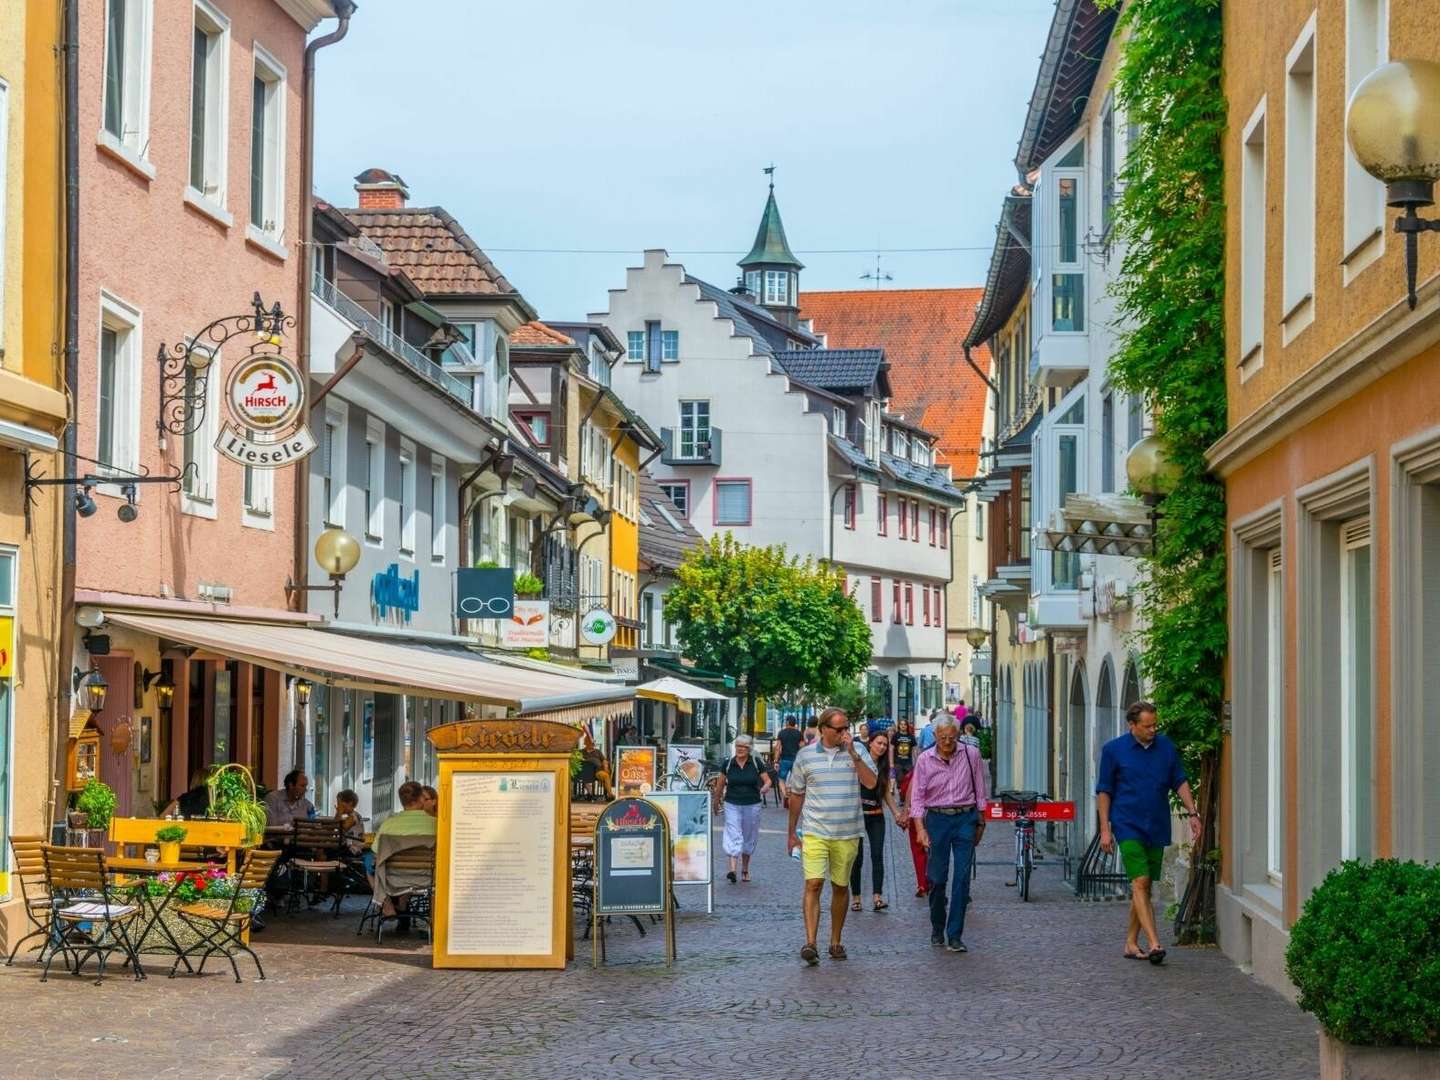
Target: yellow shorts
817, 854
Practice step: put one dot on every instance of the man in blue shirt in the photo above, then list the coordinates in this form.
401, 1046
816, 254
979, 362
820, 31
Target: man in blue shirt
1138, 771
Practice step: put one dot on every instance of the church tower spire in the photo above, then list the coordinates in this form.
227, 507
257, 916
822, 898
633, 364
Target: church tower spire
771, 270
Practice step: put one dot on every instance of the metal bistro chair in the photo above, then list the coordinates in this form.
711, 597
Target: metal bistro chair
419, 864
76, 878
221, 923
317, 845
39, 905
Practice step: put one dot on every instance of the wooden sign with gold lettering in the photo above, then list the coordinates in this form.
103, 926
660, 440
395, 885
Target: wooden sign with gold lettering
505, 737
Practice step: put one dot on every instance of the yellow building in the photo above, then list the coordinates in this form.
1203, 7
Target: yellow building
32, 422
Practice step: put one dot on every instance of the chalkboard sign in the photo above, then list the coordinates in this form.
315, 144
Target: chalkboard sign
632, 859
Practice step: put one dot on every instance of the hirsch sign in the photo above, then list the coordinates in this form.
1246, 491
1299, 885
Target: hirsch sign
266, 399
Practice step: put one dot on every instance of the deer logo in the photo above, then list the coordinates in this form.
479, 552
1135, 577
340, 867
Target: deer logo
267, 383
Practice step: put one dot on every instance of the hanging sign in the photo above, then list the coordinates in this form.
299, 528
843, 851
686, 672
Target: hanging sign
7, 646
597, 627
485, 593
265, 396
528, 626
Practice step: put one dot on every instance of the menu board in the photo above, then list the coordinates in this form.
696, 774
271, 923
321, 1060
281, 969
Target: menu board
632, 859
636, 772
502, 849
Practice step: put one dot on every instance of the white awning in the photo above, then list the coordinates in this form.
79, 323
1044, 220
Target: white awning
370, 664
672, 689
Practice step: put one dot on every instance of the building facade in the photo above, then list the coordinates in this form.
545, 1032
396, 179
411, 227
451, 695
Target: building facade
1330, 469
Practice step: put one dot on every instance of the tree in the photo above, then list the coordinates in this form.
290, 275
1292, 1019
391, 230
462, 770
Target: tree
762, 614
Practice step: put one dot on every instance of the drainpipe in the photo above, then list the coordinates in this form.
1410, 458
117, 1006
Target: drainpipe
344, 9
839, 488
65, 647
983, 377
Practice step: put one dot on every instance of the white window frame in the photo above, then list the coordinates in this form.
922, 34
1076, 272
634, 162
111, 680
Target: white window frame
408, 487
124, 318
669, 346
258, 512
333, 513
752, 283
635, 346
837, 421
749, 486
1253, 217
668, 487
1367, 46
210, 196
439, 517
1298, 251
201, 500
374, 464
132, 144
271, 228
1275, 718
1351, 787
689, 423
778, 288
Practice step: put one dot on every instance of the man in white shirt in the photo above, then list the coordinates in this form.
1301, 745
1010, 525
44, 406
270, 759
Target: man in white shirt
284, 805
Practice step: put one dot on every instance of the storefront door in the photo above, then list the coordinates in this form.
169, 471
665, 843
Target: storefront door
119, 731
387, 724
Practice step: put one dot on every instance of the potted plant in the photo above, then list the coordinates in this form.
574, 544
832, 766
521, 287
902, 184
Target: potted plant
97, 802
1365, 958
233, 798
528, 585
169, 838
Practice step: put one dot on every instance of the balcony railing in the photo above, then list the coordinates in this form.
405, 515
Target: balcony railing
706, 451
391, 342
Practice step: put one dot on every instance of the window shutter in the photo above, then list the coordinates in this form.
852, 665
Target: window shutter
732, 503
877, 600
1355, 533
1275, 562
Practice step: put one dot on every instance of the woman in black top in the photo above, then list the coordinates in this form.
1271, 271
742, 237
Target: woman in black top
873, 801
903, 749
741, 786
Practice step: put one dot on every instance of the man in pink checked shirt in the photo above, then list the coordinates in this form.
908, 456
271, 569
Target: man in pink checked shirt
947, 800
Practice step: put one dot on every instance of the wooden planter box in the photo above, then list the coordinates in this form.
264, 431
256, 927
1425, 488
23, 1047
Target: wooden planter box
1344, 1061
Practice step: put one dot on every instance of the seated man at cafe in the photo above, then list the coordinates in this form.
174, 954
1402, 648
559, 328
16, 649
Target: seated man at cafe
284, 805
412, 827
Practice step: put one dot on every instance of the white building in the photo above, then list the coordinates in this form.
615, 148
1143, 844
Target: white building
779, 441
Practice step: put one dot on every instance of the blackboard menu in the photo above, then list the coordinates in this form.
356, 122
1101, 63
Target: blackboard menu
632, 859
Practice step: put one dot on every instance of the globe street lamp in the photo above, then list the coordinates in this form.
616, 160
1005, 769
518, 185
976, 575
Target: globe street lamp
1393, 125
977, 637
1152, 474
337, 552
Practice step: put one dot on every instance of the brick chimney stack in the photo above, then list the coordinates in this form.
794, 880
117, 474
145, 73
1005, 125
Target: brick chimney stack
381, 190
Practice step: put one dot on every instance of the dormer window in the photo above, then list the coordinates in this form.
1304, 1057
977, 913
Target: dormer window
838, 421
778, 288
899, 443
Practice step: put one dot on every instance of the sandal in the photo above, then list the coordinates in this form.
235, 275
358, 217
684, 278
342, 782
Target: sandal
880, 905
855, 905
810, 955
837, 952
745, 875
1135, 955
1156, 956
730, 877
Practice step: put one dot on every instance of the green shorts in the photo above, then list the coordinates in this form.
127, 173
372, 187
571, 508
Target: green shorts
1141, 860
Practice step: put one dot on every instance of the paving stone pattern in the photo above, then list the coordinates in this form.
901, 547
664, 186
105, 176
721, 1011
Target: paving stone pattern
1044, 992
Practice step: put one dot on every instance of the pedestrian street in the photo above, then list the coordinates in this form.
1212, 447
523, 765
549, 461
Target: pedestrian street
1043, 992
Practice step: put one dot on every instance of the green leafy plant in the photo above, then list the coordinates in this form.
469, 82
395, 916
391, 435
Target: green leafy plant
528, 585
1170, 221
577, 762
97, 800
538, 654
171, 834
1365, 953
486, 564
232, 798
780, 623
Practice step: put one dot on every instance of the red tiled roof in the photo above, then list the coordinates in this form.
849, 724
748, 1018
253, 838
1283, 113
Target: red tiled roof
921, 331
429, 245
537, 333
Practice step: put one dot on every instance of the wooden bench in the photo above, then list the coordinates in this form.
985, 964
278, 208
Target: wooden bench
227, 836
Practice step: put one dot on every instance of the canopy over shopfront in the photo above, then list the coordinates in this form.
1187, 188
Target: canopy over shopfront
370, 664
676, 690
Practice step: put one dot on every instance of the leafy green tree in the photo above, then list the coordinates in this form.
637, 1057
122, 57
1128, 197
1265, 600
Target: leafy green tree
759, 613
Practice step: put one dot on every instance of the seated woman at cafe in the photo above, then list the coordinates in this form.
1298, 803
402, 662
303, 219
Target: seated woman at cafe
430, 800
412, 827
195, 802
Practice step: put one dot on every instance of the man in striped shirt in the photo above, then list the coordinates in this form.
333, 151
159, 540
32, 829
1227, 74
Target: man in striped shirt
824, 789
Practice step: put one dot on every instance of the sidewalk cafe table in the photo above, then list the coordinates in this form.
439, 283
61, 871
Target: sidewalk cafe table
155, 905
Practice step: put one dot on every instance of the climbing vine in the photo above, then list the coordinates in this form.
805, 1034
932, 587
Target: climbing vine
1170, 221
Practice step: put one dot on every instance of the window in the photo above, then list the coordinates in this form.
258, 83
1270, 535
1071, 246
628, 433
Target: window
1134, 421
332, 471
117, 413
934, 526
732, 502
1107, 164
437, 509
904, 518
595, 456
925, 603
777, 288
1025, 516
407, 498
1366, 48
200, 458
1299, 211
882, 515
694, 429
635, 345
267, 146
126, 120
374, 480
899, 443
669, 344
752, 282
979, 519
538, 425
1356, 717
944, 529
849, 504
909, 604
259, 493
838, 422
1067, 284
914, 521
1107, 443
1274, 717
647, 619
1252, 235
678, 492
209, 107
877, 600
938, 605
653, 354
897, 605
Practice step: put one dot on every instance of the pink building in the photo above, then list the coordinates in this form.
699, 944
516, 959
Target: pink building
191, 116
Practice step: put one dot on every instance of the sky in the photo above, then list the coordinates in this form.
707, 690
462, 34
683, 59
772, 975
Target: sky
594, 130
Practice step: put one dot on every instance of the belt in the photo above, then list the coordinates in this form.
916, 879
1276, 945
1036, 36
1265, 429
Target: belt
952, 809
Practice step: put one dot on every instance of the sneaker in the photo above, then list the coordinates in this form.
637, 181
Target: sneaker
937, 939
956, 945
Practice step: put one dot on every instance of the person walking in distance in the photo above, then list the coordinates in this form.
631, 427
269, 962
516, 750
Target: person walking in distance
741, 788
1138, 770
918, 855
873, 802
783, 750
825, 796
948, 796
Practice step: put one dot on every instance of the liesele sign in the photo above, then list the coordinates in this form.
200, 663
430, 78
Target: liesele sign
266, 399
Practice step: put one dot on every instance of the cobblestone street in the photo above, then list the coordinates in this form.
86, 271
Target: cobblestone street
1043, 992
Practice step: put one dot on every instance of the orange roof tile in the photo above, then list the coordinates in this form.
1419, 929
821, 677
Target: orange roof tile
429, 245
537, 333
921, 331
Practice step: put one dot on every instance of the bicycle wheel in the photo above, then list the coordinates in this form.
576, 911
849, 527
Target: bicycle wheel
1025, 869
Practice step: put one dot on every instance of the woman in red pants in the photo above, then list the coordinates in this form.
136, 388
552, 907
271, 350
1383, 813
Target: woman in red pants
917, 853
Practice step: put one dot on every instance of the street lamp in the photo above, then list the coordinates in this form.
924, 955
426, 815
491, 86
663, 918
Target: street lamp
302, 693
977, 637
164, 687
1152, 474
1393, 125
337, 552
95, 687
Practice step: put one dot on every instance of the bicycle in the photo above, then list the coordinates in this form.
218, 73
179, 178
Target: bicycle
1021, 804
692, 774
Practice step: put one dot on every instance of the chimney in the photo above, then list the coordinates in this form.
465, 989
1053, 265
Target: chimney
381, 190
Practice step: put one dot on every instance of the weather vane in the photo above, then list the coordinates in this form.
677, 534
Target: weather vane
769, 171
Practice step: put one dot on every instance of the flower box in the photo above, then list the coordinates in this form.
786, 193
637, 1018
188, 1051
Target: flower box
1346, 1061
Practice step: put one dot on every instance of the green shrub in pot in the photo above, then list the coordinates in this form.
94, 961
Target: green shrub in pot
97, 801
1365, 954
528, 585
